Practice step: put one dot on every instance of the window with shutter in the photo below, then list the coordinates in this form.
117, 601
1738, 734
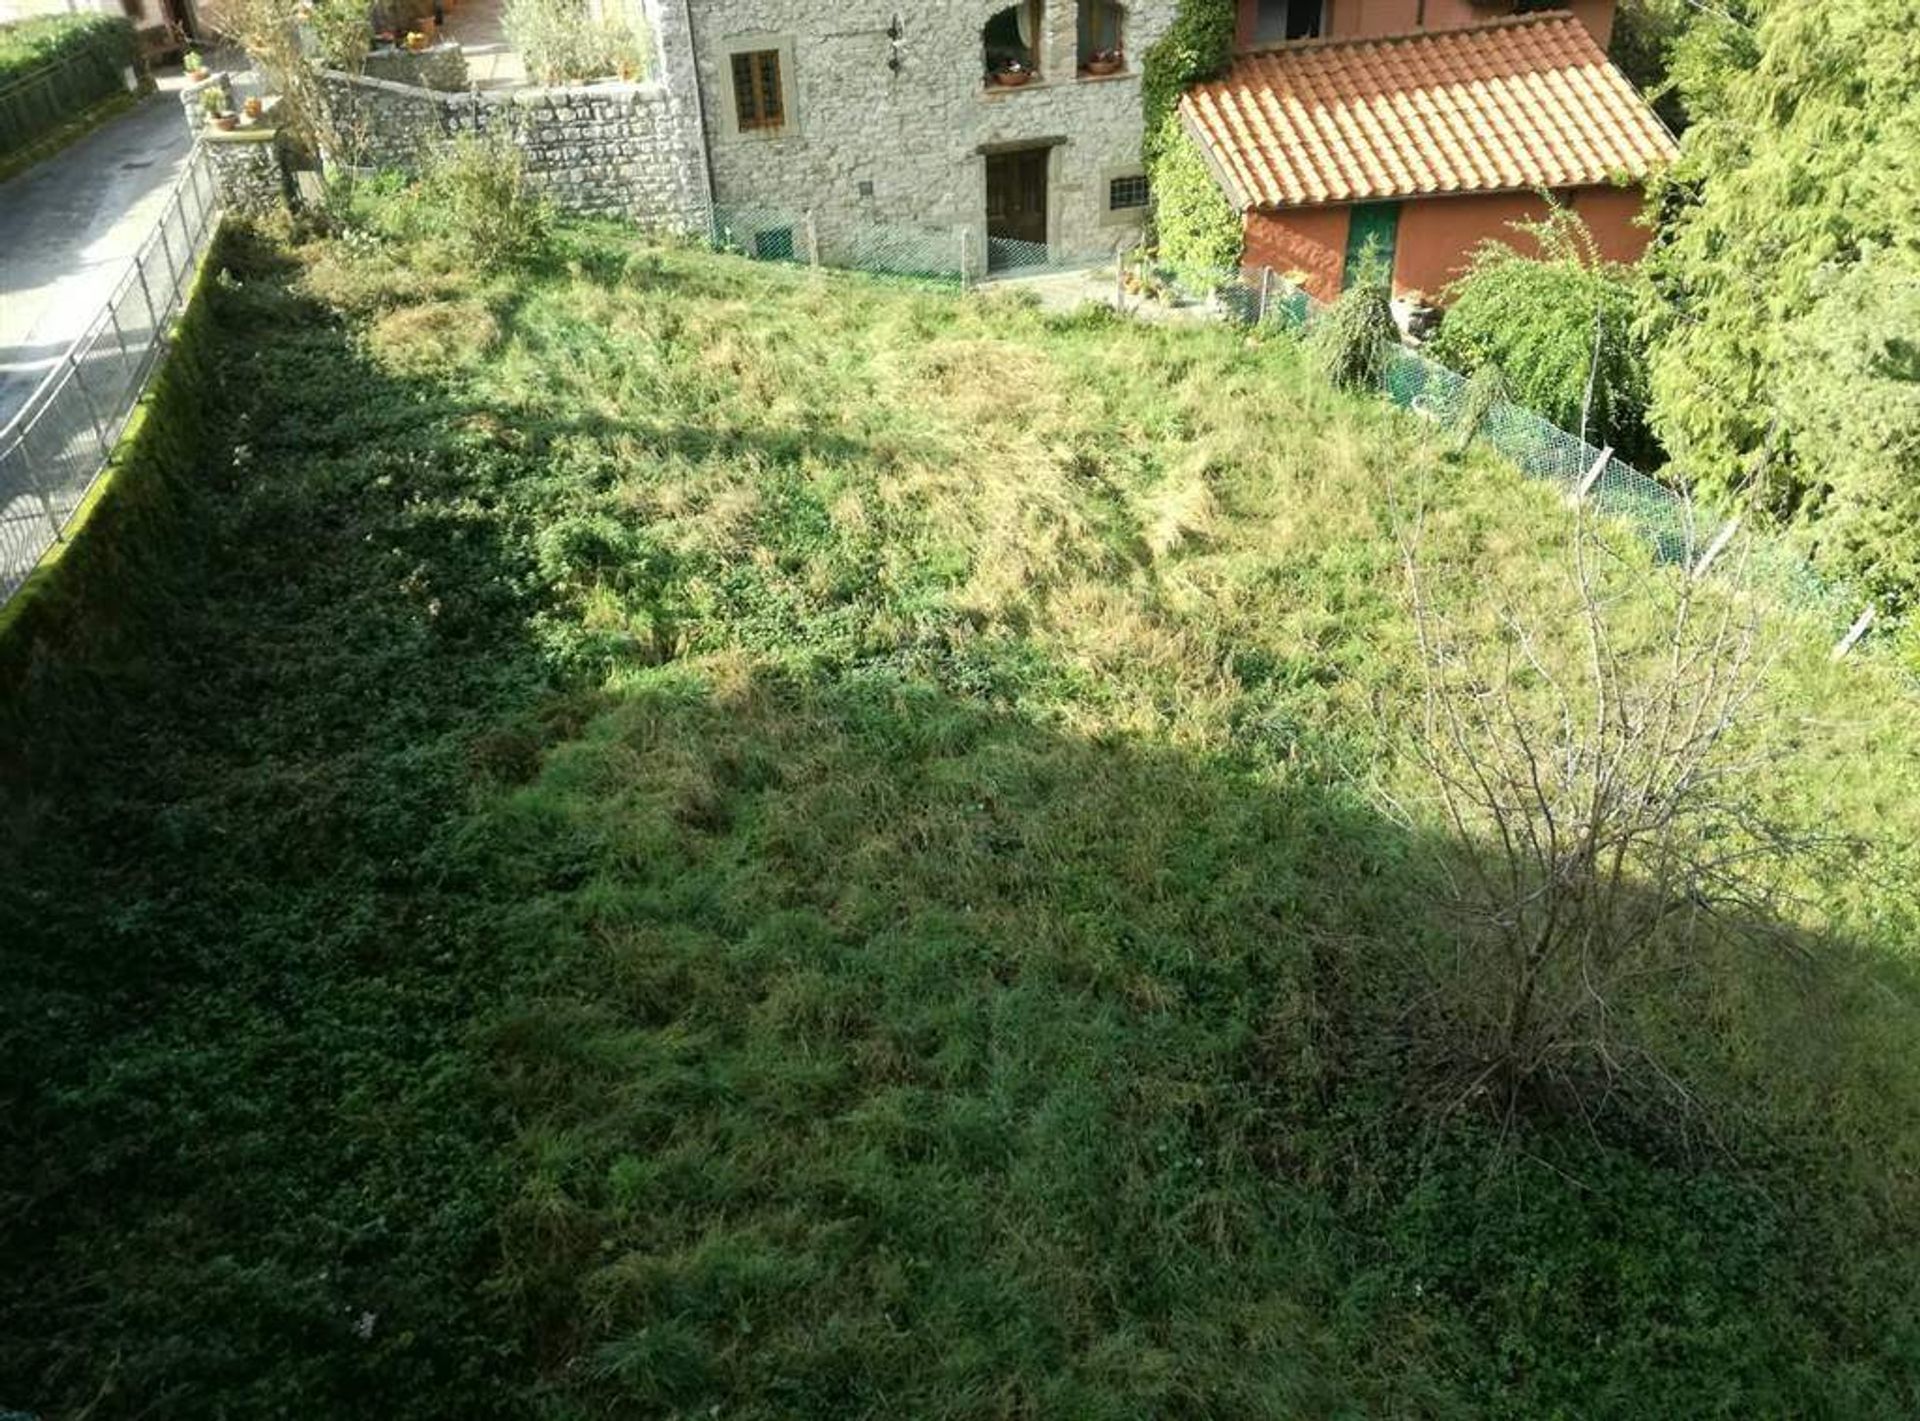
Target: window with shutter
756, 89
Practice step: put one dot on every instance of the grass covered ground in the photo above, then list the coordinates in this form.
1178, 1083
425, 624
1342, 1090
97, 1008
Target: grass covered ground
655, 836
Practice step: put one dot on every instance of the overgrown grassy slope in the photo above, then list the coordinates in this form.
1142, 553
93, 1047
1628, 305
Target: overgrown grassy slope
653, 836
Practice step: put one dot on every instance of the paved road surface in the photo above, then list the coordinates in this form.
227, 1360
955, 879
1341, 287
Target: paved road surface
68, 227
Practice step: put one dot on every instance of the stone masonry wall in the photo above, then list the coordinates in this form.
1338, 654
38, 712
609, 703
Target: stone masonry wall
886, 129
441, 66
614, 150
249, 167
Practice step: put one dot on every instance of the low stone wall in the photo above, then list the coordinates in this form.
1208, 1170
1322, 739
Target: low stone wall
442, 66
612, 150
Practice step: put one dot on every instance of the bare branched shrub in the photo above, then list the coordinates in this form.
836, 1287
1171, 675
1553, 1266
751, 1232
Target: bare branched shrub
270, 32
1583, 741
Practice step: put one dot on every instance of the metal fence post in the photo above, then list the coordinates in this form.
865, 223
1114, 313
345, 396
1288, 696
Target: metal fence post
93, 414
54, 521
1593, 475
146, 292
120, 338
173, 267
1716, 547
961, 233
1859, 630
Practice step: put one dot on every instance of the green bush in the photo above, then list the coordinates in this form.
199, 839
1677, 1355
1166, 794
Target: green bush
1198, 231
1563, 328
1352, 341
1854, 404
1196, 228
477, 194
63, 65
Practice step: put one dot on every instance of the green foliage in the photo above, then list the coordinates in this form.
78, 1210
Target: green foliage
1197, 230
1196, 46
341, 33
701, 836
1674, 51
1486, 391
1564, 328
1802, 164
561, 41
1854, 406
63, 65
476, 192
1352, 340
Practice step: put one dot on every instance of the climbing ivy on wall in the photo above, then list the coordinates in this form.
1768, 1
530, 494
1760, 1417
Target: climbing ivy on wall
1195, 227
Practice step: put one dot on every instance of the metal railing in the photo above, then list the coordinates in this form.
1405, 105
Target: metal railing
55, 447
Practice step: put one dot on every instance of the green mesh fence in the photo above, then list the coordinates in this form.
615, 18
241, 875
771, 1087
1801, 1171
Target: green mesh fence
1679, 529
894, 249
1676, 528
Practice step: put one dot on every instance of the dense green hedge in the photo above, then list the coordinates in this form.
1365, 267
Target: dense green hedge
56, 67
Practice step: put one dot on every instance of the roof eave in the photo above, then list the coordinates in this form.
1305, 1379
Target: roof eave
1221, 175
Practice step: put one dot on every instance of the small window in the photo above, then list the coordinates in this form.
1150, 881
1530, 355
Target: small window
1010, 43
1127, 193
773, 244
1276, 20
1102, 26
756, 90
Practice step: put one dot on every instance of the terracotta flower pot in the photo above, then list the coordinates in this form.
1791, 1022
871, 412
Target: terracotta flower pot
1103, 66
226, 122
1011, 78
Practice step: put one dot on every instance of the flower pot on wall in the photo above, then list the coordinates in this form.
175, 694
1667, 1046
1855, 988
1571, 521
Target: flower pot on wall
1011, 78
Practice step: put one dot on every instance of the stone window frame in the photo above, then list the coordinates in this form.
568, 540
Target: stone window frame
789, 87
1111, 216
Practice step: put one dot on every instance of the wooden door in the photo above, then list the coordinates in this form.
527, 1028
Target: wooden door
1017, 207
1372, 228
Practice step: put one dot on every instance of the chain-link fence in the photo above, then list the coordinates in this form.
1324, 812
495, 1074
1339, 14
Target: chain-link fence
901, 249
53, 449
1681, 529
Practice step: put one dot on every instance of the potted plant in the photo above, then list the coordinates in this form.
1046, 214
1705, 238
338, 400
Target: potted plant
214, 104
1106, 61
1012, 74
196, 66
416, 41
253, 107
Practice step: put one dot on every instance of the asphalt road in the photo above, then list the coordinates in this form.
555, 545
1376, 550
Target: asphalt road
68, 228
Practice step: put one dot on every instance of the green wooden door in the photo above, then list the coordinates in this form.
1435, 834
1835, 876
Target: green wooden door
1375, 225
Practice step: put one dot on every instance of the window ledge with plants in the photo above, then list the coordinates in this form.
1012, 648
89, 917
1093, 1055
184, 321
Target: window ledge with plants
1009, 78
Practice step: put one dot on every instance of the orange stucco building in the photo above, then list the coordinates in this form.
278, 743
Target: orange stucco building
1420, 129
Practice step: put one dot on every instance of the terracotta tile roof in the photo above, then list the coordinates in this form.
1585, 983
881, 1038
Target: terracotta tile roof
1528, 102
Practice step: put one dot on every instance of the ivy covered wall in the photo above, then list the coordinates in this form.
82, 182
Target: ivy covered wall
1195, 228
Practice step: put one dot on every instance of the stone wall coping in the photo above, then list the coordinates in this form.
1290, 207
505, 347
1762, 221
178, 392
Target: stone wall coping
256, 134
646, 91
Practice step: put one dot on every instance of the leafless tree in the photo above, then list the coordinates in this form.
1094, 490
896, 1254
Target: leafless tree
1584, 743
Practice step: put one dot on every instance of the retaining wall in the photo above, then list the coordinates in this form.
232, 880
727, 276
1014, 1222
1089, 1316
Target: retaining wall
612, 150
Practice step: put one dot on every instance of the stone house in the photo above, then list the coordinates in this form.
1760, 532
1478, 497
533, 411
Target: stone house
1420, 129
1014, 128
